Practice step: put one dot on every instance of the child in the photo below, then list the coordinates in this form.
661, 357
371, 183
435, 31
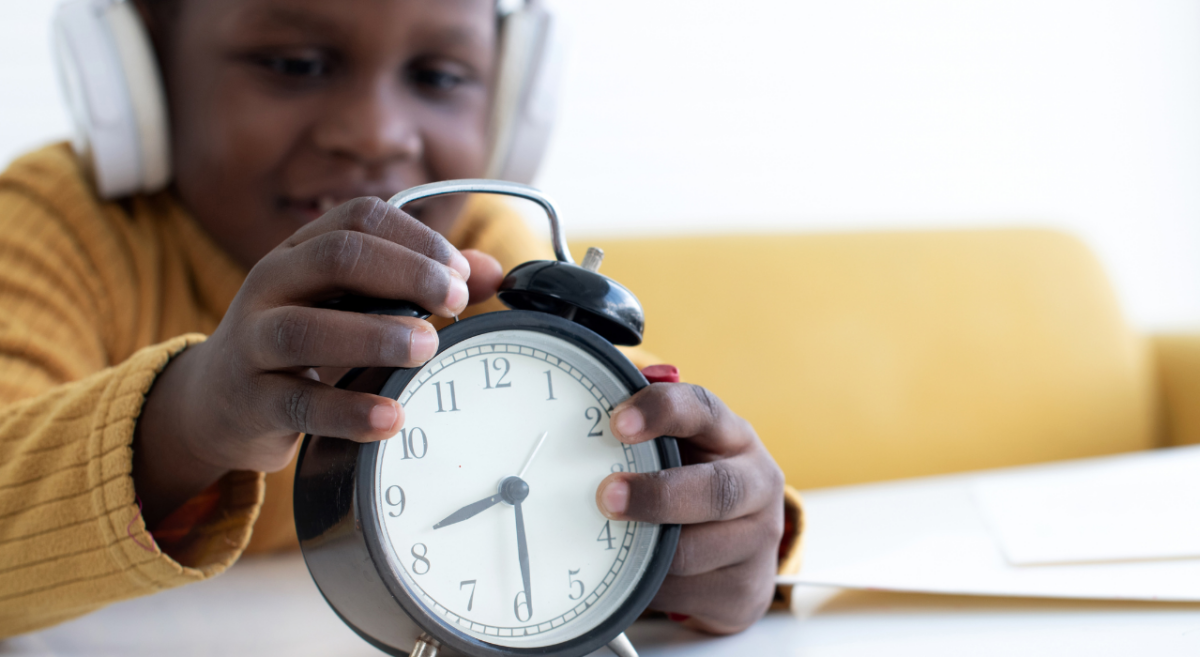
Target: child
290, 119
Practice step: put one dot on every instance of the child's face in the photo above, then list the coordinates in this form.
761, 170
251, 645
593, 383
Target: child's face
282, 108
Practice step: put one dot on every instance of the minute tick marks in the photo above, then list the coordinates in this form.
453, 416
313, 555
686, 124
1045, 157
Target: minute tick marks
542, 461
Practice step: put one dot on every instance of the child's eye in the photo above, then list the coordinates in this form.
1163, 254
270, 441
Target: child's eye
436, 79
296, 67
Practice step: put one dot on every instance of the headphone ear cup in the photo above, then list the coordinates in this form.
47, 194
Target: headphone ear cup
114, 92
526, 98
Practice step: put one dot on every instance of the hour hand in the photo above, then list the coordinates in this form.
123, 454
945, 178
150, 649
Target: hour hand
468, 511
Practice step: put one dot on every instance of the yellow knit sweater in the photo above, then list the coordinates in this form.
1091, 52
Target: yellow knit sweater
95, 298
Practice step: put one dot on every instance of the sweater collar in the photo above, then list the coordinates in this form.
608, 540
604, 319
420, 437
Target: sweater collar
215, 275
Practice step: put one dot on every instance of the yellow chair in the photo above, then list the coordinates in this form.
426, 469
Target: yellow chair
871, 356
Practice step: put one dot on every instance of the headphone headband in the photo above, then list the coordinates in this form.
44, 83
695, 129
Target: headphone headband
526, 96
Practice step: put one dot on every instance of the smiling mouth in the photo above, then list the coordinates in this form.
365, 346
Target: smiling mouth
317, 205
309, 209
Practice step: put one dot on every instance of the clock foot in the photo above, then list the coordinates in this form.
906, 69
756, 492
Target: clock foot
427, 646
619, 645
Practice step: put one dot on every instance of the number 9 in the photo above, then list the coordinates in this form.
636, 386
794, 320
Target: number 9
387, 497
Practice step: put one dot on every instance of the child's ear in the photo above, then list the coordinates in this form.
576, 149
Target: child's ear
146, 15
153, 22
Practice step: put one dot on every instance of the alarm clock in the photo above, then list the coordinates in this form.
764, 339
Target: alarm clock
475, 530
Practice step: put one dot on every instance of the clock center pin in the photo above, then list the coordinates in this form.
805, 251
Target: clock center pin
513, 490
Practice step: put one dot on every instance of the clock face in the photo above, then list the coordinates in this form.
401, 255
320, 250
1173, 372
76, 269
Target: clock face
487, 498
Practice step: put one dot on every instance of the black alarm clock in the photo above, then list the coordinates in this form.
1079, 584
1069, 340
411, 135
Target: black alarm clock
474, 530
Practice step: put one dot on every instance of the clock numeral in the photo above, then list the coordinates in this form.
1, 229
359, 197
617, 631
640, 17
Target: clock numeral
617, 467
471, 600
520, 602
399, 494
498, 364
408, 440
571, 582
588, 414
550, 385
606, 536
453, 398
420, 559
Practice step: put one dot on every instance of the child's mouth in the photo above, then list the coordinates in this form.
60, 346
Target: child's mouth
310, 208
307, 209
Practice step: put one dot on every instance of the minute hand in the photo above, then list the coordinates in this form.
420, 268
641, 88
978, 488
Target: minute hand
468, 511
523, 556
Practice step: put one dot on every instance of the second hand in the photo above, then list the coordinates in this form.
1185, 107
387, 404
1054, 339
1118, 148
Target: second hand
529, 461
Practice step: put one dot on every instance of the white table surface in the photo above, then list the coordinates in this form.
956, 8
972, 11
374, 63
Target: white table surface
269, 606
931, 534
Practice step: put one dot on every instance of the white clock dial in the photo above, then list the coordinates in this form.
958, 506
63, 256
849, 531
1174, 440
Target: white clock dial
474, 417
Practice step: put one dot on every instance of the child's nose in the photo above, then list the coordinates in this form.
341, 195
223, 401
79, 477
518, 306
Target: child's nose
371, 124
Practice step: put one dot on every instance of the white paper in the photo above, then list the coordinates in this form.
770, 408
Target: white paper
929, 535
1135, 507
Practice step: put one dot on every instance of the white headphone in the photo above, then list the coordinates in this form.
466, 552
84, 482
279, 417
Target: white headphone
110, 77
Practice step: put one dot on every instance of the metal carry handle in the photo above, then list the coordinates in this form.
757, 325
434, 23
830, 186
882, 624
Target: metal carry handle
501, 187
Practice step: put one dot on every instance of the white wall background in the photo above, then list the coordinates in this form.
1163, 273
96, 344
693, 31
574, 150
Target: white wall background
804, 115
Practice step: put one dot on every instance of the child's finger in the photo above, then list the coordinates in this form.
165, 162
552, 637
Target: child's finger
714, 545
723, 601
685, 411
358, 263
294, 403
486, 275
703, 492
374, 216
299, 336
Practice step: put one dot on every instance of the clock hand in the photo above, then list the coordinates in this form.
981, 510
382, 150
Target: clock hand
523, 556
511, 488
469, 510
476, 507
515, 490
536, 447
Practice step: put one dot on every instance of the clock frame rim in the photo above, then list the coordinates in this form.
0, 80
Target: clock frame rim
365, 520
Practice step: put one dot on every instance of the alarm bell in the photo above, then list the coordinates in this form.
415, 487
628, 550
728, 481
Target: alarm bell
578, 293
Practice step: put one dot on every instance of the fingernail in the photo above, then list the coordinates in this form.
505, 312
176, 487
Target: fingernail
456, 298
628, 423
383, 417
422, 345
614, 499
459, 264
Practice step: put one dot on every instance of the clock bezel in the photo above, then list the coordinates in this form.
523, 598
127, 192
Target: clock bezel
366, 515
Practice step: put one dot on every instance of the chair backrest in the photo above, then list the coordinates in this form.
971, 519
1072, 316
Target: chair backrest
873, 356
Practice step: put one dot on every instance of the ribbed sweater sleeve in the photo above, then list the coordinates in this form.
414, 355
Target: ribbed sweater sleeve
77, 359
71, 537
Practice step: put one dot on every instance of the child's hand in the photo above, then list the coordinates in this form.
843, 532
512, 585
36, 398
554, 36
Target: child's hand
240, 400
730, 499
